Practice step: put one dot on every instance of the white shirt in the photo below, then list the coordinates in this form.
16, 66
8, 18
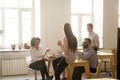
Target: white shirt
36, 54
94, 39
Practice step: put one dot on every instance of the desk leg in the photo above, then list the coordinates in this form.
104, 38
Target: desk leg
49, 62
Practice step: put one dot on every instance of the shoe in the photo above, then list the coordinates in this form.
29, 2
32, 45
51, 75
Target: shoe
50, 78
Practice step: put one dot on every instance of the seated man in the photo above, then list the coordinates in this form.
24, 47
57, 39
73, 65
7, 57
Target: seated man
88, 54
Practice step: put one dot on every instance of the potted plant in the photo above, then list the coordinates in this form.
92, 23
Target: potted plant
13, 46
26, 45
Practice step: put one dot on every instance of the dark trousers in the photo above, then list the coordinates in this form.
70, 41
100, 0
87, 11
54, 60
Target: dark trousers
41, 66
59, 64
77, 74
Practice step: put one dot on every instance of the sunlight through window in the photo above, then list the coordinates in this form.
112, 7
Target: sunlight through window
18, 21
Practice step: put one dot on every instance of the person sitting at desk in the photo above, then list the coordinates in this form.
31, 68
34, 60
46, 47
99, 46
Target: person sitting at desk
88, 54
37, 58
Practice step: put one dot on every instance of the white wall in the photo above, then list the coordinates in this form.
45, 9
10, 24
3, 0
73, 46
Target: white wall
54, 14
110, 23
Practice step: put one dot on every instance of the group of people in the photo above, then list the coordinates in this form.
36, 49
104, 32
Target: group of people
69, 48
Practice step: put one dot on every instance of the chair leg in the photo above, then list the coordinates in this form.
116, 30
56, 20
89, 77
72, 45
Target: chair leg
35, 75
105, 66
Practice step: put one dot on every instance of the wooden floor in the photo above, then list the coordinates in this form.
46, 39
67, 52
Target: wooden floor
21, 77
31, 77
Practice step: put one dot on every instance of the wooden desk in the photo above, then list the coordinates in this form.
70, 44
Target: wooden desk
78, 64
104, 55
49, 59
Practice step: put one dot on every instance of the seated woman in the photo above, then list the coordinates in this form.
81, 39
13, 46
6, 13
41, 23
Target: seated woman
37, 58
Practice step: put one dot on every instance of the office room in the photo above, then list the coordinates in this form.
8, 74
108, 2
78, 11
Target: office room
49, 39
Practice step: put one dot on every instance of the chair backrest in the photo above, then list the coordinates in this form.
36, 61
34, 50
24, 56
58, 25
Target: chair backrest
97, 74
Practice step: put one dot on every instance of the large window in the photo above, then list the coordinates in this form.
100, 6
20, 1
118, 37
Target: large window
83, 12
19, 21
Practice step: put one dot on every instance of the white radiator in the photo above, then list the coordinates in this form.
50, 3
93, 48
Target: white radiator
14, 67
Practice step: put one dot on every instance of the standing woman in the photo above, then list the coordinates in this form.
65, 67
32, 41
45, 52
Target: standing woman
69, 47
38, 63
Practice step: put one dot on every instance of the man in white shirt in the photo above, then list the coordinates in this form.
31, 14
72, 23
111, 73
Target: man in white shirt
93, 36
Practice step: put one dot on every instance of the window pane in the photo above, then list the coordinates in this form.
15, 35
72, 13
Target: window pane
85, 20
26, 15
11, 13
11, 32
11, 27
26, 34
26, 26
76, 28
78, 5
75, 25
1, 3
11, 3
26, 3
26, 22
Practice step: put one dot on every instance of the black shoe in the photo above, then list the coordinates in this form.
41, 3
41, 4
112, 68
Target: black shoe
50, 78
